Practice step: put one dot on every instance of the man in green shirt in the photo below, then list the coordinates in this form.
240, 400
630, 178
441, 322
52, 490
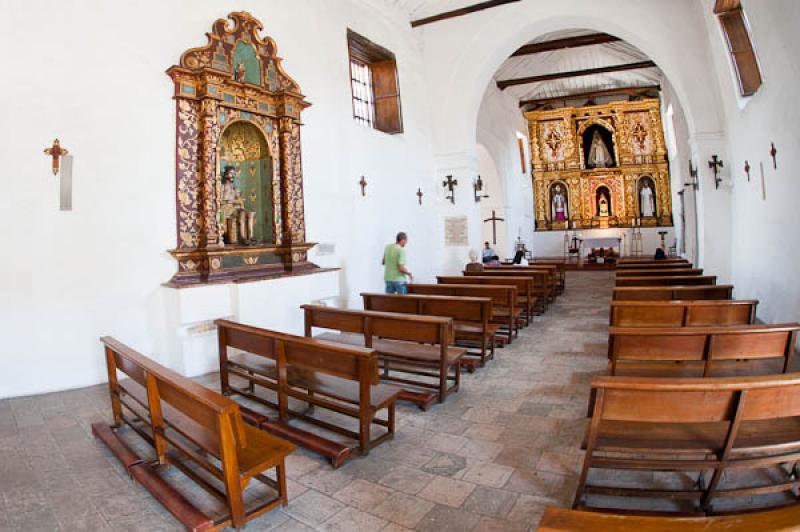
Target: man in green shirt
394, 266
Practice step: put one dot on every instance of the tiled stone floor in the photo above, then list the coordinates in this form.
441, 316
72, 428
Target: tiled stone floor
490, 459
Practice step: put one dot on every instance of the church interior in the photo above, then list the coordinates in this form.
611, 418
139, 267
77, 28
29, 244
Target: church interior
391, 265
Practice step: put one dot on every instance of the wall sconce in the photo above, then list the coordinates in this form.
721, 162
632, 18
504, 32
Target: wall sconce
477, 188
450, 185
693, 182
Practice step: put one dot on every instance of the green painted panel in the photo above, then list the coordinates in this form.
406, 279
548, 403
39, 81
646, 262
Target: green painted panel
246, 55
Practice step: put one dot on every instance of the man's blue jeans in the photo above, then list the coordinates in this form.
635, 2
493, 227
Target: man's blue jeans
396, 287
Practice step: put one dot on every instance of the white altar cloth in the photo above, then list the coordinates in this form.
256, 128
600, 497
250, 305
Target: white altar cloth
609, 242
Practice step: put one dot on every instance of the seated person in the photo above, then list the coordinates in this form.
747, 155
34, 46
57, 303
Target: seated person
473, 265
660, 255
488, 252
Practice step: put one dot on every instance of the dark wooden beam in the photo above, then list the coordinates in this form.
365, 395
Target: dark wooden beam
631, 91
563, 44
460, 12
504, 84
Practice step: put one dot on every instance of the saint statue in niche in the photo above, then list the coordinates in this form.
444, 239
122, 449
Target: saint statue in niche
559, 205
603, 202
647, 204
599, 157
237, 222
239, 72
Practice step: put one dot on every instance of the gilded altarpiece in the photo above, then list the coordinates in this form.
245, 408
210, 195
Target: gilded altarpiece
600, 166
239, 175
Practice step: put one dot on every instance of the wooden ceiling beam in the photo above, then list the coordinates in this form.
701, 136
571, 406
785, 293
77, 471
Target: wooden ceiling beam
504, 84
460, 12
631, 91
563, 44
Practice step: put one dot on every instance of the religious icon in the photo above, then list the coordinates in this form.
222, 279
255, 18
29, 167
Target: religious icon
238, 222
603, 202
559, 208
647, 204
599, 157
239, 72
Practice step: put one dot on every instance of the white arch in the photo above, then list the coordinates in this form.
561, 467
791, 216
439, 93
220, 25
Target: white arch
461, 63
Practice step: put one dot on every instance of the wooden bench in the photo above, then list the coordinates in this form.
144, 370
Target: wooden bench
626, 261
341, 379
674, 280
188, 423
541, 289
701, 351
562, 520
505, 310
693, 425
552, 275
682, 313
561, 267
415, 346
472, 318
667, 293
658, 272
524, 286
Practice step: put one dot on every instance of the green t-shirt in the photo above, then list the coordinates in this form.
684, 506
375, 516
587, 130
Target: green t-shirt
393, 257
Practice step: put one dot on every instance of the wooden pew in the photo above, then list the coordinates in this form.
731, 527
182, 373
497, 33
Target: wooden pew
472, 317
505, 310
562, 520
188, 423
667, 293
341, 379
561, 267
543, 287
416, 346
702, 351
693, 425
625, 261
682, 313
675, 280
524, 285
553, 276
658, 272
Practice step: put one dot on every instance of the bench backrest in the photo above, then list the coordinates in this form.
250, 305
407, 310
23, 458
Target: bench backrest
667, 293
716, 399
702, 344
351, 363
625, 261
682, 313
470, 309
543, 275
423, 329
658, 272
214, 421
503, 296
674, 280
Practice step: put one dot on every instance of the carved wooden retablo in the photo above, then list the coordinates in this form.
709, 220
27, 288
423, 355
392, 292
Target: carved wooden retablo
239, 172
600, 166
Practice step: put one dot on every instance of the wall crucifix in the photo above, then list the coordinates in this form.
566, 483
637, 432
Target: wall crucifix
419, 195
56, 151
494, 219
773, 153
450, 185
715, 164
747, 170
363, 185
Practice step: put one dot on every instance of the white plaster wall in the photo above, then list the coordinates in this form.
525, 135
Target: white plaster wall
766, 245
92, 74
499, 124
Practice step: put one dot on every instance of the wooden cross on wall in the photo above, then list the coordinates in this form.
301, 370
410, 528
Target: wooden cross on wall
419, 195
494, 219
363, 185
56, 152
449, 184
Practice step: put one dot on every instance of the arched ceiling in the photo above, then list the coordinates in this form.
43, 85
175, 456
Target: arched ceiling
595, 56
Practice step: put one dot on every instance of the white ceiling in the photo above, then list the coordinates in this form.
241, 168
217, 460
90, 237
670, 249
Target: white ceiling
425, 8
584, 57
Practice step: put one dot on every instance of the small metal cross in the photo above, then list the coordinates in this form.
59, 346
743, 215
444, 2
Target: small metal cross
363, 184
715, 164
449, 184
773, 152
747, 170
419, 195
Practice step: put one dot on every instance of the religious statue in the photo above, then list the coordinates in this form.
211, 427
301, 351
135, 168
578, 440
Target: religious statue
237, 222
603, 207
559, 206
598, 153
647, 205
239, 72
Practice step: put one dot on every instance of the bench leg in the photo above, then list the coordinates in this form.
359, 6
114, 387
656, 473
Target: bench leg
364, 424
280, 473
390, 418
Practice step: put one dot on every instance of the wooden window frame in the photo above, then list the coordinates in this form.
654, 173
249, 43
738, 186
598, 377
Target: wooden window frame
740, 46
385, 113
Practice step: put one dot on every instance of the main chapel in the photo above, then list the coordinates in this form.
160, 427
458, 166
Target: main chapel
393, 265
